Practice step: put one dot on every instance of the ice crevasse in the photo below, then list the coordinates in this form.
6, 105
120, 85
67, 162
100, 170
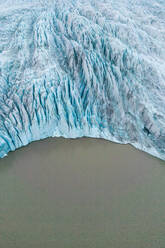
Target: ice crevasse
83, 68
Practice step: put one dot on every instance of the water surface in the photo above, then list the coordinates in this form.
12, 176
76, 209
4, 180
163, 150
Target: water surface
83, 193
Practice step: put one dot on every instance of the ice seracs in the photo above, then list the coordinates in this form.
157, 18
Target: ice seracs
83, 68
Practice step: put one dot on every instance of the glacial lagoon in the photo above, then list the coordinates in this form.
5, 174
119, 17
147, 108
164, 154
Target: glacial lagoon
81, 193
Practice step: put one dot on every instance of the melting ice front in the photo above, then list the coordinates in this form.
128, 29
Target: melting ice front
77, 68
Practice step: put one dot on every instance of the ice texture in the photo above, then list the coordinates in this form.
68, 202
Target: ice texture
83, 68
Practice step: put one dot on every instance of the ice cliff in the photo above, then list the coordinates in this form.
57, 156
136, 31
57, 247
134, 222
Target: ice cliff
83, 68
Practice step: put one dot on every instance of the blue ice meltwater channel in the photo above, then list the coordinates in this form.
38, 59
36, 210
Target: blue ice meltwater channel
83, 68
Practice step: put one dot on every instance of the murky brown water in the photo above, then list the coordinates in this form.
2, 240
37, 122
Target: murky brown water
83, 193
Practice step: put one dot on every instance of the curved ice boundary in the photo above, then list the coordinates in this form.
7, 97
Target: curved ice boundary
83, 68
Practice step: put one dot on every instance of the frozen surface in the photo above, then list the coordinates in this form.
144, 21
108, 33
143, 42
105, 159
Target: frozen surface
83, 68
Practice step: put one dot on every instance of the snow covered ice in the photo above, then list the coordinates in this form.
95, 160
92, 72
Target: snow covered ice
83, 68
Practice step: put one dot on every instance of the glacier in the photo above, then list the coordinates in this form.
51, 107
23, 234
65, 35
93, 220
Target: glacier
77, 68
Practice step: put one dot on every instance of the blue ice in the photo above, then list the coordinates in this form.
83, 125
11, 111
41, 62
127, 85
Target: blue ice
83, 68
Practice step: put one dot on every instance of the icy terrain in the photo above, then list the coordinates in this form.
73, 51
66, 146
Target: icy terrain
83, 68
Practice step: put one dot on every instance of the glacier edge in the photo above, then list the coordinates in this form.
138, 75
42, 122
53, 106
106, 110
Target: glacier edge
83, 68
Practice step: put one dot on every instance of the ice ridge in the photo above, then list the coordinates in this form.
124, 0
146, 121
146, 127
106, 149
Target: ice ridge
83, 68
